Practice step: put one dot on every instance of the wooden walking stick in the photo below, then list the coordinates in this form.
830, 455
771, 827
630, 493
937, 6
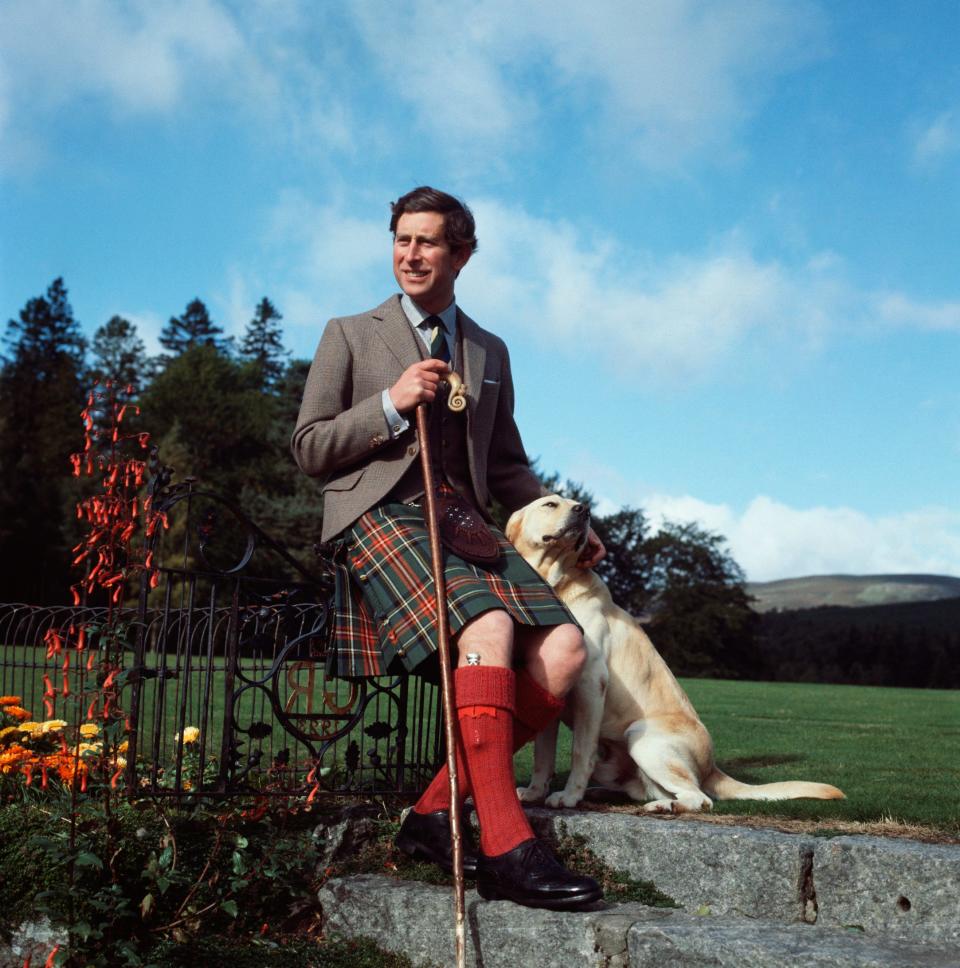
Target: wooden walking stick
446, 686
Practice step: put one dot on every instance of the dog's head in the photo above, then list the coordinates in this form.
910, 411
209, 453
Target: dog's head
550, 533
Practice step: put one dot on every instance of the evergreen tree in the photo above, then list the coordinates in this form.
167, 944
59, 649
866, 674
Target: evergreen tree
119, 354
41, 395
263, 343
212, 408
193, 328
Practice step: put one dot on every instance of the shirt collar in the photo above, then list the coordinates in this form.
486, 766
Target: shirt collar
416, 315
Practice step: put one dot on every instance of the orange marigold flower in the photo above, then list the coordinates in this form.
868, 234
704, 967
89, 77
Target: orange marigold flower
17, 712
10, 700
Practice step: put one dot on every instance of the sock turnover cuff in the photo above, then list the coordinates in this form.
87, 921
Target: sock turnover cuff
485, 686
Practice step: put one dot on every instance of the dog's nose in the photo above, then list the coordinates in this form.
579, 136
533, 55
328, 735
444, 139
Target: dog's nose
579, 509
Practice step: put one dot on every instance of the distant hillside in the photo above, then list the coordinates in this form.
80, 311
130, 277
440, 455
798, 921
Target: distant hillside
851, 591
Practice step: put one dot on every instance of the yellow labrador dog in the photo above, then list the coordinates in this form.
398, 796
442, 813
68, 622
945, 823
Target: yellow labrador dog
634, 729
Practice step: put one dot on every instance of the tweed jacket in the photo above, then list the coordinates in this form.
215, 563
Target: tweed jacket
341, 435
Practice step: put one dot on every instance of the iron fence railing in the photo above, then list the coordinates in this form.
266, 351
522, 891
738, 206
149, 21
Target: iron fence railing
225, 691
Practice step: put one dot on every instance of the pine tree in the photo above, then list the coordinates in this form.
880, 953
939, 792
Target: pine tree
119, 354
193, 328
41, 395
263, 344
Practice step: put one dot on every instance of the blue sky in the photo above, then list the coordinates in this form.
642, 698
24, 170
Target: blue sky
721, 239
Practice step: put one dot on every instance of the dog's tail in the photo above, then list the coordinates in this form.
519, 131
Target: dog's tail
722, 787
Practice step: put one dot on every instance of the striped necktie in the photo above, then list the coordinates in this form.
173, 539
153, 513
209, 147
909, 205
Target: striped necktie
439, 349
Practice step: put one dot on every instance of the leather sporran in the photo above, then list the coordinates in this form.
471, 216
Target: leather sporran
462, 530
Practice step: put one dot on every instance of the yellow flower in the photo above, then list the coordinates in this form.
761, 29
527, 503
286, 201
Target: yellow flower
190, 735
87, 730
30, 727
88, 748
123, 747
9, 729
52, 725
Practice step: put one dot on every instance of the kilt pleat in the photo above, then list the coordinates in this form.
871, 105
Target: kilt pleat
385, 605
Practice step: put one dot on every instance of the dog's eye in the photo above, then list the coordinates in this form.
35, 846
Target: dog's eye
549, 504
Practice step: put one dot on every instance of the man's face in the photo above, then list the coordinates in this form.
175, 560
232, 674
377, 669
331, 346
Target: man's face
423, 263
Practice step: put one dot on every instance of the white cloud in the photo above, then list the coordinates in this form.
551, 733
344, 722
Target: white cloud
772, 540
667, 79
671, 318
899, 309
147, 59
663, 319
937, 139
139, 56
673, 77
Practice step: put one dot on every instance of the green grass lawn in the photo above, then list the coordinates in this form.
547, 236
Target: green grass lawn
892, 751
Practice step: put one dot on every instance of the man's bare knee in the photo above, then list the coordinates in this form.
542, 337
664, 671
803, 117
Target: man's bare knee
490, 636
566, 649
554, 656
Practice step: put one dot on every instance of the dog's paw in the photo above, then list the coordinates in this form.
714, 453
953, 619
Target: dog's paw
531, 794
563, 800
659, 806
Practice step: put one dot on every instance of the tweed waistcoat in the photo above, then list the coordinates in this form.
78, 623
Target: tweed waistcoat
448, 447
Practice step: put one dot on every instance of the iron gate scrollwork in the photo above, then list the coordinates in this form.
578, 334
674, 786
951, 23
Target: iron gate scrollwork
230, 692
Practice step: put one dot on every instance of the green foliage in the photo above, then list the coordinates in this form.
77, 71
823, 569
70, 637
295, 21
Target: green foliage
210, 409
41, 395
912, 644
292, 953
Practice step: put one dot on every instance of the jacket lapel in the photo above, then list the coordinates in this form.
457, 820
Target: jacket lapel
474, 359
395, 331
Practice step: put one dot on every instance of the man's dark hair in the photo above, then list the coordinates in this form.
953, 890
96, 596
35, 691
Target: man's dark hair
459, 228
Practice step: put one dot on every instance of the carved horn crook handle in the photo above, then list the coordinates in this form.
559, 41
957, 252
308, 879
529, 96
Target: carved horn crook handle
457, 400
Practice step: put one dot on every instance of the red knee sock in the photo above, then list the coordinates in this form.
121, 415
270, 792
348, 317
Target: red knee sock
485, 707
534, 710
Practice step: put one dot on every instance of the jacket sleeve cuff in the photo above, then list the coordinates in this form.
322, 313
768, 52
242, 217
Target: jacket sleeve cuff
396, 424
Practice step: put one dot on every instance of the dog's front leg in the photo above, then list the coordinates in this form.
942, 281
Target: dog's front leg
544, 756
588, 696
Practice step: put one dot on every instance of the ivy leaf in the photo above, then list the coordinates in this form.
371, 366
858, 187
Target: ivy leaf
229, 907
146, 905
86, 859
379, 729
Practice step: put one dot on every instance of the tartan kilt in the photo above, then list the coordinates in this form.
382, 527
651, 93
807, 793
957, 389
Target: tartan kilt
384, 603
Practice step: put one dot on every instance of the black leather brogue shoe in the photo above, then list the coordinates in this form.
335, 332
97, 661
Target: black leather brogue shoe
426, 836
530, 875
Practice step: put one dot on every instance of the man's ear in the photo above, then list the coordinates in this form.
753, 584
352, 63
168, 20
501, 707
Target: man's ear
460, 256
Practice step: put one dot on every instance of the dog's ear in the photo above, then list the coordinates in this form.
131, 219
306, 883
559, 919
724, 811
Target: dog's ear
514, 526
